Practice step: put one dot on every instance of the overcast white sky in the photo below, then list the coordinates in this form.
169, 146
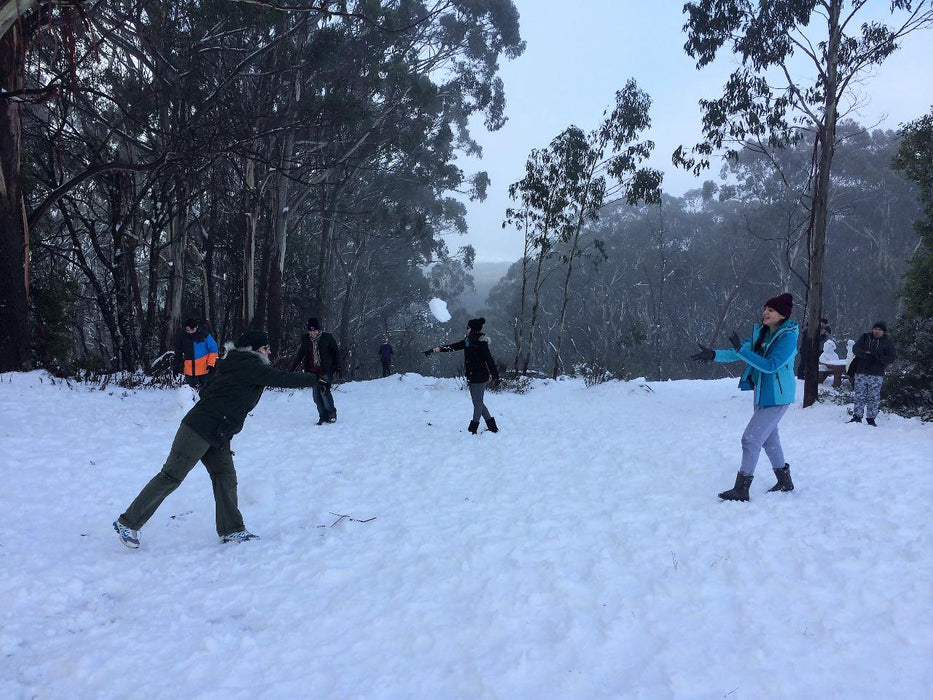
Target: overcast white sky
579, 54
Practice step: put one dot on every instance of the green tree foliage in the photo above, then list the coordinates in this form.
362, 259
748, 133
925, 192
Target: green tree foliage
911, 390
915, 160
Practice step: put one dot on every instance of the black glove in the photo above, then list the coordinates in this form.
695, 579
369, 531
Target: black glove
429, 352
705, 354
735, 340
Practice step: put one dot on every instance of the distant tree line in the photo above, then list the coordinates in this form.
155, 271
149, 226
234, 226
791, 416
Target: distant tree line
659, 277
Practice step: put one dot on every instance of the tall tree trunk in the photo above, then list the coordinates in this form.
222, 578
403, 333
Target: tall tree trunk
566, 296
178, 232
826, 139
248, 306
277, 252
536, 299
14, 228
149, 332
319, 294
519, 323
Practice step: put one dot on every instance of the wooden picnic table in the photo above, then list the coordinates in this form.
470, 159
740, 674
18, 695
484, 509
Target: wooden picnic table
836, 371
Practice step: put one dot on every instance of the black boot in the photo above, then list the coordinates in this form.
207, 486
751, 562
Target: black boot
474, 424
784, 482
739, 492
491, 425
855, 419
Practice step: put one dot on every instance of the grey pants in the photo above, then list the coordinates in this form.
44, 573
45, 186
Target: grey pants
479, 408
187, 449
867, 395
762, 432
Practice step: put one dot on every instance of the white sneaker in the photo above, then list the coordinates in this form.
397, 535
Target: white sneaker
241, 536
128, 536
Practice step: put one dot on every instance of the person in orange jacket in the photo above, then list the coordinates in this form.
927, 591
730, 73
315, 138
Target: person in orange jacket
195, 354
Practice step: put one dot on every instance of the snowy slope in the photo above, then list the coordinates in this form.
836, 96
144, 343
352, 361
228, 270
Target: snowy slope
579, 553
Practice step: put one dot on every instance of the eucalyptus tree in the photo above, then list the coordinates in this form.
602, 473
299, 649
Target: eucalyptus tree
912, 388
599, 167
914, 159
771, 40
541, 216
21, 22
412, 77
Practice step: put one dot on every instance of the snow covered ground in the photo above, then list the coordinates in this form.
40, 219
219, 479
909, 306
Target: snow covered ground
579, 553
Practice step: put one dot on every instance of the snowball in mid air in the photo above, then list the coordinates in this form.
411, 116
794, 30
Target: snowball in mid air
439, 309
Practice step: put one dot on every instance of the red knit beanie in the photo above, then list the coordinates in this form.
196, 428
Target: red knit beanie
782, 303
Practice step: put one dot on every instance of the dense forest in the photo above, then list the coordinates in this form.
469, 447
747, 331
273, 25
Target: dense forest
252, 165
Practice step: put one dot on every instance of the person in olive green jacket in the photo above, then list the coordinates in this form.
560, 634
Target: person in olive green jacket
204, 435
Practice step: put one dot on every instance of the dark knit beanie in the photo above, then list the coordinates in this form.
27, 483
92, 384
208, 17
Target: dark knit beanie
476, 324
782, 303
252, 340
192, 323
314, 324
882, 325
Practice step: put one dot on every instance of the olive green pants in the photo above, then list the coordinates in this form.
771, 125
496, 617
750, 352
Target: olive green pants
188, 449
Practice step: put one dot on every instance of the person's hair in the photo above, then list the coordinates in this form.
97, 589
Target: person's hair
761, 339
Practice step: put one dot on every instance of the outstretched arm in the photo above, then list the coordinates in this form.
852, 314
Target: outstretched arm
452, 347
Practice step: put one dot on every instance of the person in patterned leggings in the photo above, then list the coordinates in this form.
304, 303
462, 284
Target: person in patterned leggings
873, 352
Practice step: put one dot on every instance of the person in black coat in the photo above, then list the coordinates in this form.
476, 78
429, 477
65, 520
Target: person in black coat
873, 352
479, 367
318, 354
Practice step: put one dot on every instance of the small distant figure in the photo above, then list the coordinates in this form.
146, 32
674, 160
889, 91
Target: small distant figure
478, 367
319, 355
195, 354
385, 357
874, 351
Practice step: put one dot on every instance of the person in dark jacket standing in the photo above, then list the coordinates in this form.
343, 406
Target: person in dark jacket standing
873, 352
385, 357
478, 367
205, 433
769, 372
195, 354
319, 356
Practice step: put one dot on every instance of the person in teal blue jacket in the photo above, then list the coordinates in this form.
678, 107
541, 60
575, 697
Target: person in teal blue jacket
769, 372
